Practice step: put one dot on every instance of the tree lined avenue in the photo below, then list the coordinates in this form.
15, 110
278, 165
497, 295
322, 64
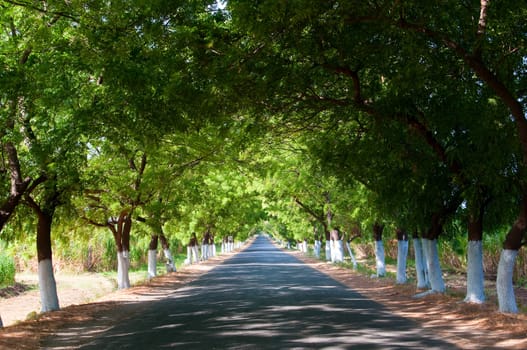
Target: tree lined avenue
324, 122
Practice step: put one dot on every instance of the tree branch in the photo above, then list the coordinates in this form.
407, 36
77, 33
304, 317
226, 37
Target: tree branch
43, 10
310, 211
484, 73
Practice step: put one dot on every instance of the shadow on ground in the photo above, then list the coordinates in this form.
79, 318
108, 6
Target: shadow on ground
261, 298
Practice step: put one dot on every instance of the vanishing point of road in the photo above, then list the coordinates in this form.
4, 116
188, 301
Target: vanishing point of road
260, 298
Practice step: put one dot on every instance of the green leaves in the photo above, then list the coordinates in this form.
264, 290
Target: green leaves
237, 111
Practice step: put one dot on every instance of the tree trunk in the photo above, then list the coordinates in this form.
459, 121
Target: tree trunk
195, 253
171, 267
379, 259
420, 264
46, 280
317, 243
121, 232
188, 261
204, 251
18, 185
504, 282
123, 267
327, 225
339, 253
352, 257
511, 247
433, 266
336, 246
152, 256
45, 211
475, 274
402, 254
379, 250
317, 246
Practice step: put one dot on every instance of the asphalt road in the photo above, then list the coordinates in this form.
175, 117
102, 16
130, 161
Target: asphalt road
261, 298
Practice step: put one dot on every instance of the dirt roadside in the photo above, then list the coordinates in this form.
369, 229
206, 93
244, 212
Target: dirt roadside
469, 326
23, 300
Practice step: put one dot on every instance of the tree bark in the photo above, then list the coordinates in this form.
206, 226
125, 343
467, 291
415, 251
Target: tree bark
123, 267
511, 246
152, 256
18, 185
318, 243
437, 284
120, 228
327, 225
352, 256
170, 265
46, 279
504, 284
475, 273
402, 255
47, 284
420, 264
379, 250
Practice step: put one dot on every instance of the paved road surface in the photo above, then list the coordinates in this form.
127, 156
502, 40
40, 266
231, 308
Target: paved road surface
261, 298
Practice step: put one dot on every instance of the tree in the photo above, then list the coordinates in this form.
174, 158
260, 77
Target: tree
44, 84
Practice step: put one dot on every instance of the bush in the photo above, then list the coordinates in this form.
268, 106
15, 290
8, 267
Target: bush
7, 271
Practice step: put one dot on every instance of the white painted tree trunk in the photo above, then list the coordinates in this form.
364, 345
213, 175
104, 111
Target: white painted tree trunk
402, 255
48, 287
318, 245
420, 265
352, 256
504, 286
328, 250
475, 275
213, 252
189, 255
433, 266
204, 251
171, 267
195, 254
379, 259
152, 263
339, 251
123, 266
333, 250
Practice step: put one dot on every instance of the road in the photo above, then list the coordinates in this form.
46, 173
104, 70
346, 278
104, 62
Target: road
261, 298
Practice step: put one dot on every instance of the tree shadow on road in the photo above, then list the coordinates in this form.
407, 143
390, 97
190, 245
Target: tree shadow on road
258, 299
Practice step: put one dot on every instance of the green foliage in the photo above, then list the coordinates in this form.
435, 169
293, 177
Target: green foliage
7, 271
